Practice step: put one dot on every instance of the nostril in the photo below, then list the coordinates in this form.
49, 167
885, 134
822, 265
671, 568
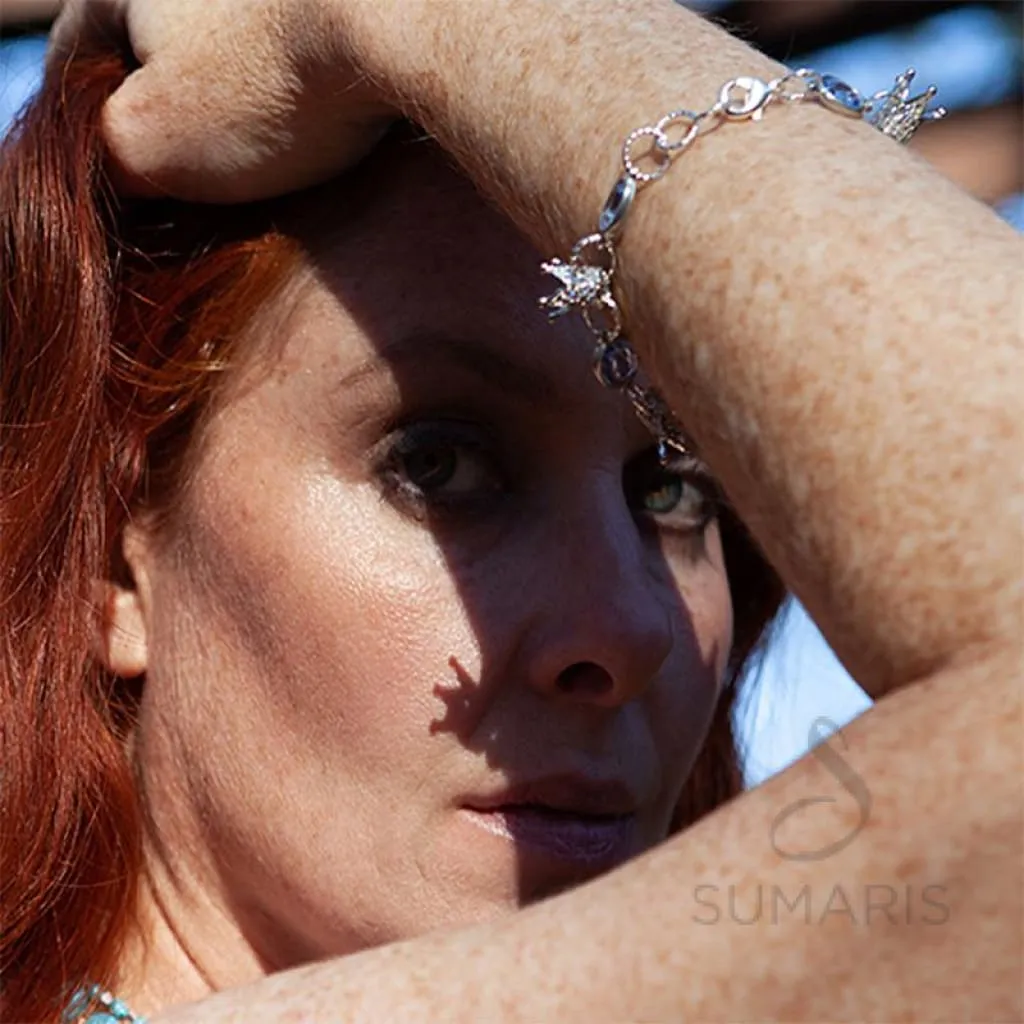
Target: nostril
584, 678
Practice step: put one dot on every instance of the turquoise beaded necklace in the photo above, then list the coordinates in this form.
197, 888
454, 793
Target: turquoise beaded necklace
92, 1004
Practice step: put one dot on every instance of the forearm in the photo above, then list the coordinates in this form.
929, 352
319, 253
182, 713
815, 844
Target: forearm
918, 916
836, 325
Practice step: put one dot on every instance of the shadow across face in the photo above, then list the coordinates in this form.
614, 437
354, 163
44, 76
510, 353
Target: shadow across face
441, 636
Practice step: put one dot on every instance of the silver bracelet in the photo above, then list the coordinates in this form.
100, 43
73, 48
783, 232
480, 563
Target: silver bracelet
587, 278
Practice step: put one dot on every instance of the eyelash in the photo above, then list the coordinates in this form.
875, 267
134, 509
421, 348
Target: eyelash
462, 438
685, 472
415, 438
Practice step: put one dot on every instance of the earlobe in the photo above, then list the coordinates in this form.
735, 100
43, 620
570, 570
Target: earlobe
121, 631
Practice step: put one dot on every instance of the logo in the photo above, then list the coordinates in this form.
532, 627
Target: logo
821, 732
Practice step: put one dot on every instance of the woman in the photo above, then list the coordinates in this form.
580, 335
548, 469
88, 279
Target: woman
591, 697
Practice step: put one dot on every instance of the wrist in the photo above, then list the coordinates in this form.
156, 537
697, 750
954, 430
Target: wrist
385, 41
500, 85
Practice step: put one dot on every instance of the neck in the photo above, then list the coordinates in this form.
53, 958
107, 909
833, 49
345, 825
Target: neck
185, 947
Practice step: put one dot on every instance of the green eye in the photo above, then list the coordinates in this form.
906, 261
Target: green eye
664, 498
680, 499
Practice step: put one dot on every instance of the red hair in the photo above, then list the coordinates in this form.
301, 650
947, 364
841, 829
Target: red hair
115, 319
109, 336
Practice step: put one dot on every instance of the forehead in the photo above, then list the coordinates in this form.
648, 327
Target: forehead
408, 214
409, 254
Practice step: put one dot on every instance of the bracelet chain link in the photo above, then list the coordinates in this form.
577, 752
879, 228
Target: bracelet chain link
587, 278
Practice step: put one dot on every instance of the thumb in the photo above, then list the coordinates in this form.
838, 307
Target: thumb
210, 133
168, 134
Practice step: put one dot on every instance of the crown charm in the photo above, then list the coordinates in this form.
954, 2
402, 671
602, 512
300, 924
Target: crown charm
896, 114
581, 284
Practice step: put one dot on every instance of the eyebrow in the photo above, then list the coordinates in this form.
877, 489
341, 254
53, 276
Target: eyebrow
530, 384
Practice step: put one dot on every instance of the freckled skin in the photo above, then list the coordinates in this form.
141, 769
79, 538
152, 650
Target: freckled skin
814, 345
840, 329
329, 675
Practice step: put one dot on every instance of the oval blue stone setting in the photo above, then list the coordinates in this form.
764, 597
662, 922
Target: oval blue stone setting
616, 364
837, 93
617, 204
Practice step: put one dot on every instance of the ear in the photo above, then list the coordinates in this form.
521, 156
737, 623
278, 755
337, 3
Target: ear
121, 639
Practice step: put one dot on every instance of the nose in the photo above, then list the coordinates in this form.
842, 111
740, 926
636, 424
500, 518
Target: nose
607, 616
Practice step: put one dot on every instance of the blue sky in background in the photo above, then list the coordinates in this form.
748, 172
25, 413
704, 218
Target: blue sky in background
975, 62
21, 65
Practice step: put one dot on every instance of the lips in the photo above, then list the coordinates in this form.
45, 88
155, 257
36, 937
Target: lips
567, 818
572, 794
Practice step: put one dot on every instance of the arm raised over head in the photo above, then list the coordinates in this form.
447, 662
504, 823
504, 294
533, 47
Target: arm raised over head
839, 329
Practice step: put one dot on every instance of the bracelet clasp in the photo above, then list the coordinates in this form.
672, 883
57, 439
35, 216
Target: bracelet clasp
743, 98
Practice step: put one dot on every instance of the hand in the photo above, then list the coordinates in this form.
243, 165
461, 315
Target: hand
233, 100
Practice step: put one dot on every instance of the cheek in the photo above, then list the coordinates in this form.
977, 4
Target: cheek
388, 621
312, 631
347, 619
705, 624
712, 606
684, 702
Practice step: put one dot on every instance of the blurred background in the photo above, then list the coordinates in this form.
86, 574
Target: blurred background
972, 51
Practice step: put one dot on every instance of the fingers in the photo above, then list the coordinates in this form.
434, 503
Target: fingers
198, 114
189, 133
205, 139
230, 101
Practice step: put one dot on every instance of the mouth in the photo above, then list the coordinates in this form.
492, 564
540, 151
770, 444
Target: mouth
563, 835
563, 818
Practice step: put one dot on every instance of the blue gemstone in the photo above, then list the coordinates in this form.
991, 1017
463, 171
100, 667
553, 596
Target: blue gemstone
103, 1018
617, 204
616, 364
78, 1004
839, 92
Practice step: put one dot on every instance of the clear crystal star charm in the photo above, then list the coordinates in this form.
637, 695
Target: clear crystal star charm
896, 114
581, 285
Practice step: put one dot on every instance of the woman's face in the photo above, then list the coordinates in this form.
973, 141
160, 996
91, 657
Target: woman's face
433, 636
